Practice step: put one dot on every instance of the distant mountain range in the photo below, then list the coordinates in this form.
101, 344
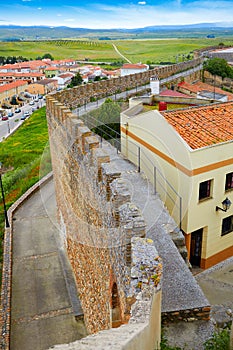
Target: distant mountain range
13, 32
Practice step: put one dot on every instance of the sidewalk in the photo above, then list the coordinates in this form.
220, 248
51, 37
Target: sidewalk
42, 313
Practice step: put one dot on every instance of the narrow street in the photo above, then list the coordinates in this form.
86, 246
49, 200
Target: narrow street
42, 306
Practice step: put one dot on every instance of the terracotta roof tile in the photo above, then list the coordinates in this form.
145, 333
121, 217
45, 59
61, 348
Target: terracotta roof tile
200, 86
18, 74
13, 85
134, 66
173, 93
203, 126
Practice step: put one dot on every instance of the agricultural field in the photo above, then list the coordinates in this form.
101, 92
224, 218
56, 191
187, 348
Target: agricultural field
165, 50
144, 51
60, 49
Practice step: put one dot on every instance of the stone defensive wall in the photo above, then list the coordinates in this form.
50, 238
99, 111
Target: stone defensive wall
117, 270
207, 51
80, 95
218, 81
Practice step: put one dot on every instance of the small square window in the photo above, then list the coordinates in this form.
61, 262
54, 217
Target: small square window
229, 181
227, 225
205, 189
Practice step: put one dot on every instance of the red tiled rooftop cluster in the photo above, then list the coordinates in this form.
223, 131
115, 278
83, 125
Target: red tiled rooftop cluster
203, 126
200, 86
18, 74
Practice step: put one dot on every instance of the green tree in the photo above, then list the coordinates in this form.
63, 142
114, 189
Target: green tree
75, 81
48, 55
105, 120
218, 66
14, 100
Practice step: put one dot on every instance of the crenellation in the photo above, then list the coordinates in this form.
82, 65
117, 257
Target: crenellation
90, 197
109, 174
100, 156
80, 95
90, 143
117, 270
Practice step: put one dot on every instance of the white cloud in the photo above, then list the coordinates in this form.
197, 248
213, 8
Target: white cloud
115, 16
69, 20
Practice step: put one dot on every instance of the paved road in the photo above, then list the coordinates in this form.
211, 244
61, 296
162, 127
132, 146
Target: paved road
10, 125
42, 313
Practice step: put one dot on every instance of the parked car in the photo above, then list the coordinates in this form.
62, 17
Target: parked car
23, 117
27, 114
4, 117
36, 100
27, 94
31, 103
40, 97
18, 110
10, 114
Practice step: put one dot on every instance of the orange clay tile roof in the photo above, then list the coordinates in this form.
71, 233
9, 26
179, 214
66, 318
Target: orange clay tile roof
200, 86
51, 68
173, 93
134, 66
18, 74
203, 126
13, 85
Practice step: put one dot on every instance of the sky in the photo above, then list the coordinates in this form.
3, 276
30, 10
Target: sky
109, 14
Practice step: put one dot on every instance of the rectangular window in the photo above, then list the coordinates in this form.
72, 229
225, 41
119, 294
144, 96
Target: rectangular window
229, 181
205, 189
227, 225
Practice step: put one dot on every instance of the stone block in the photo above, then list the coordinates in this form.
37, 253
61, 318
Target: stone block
100, 156
83, 132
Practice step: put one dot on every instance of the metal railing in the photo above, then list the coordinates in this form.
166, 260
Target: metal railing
142, 159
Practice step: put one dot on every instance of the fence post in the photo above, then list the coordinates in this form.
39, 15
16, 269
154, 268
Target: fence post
154, 180
139, 159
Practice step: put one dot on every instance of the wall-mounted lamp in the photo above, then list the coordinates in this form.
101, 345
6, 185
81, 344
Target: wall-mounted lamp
225, 205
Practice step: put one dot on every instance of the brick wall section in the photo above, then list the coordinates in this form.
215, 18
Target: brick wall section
188, 315
96, 216
80, 95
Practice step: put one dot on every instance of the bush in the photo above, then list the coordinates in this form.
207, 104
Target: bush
219, 341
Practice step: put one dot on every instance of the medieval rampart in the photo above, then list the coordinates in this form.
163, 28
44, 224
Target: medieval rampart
83, 94
98, 222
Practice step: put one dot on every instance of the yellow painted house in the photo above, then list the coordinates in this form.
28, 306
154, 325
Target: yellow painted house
188, 156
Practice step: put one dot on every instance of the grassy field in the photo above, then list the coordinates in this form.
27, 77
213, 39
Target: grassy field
25, 158
60, 49
163, 50
155, 51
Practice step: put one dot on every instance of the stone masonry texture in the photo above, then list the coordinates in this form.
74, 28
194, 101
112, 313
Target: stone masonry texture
98, 222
